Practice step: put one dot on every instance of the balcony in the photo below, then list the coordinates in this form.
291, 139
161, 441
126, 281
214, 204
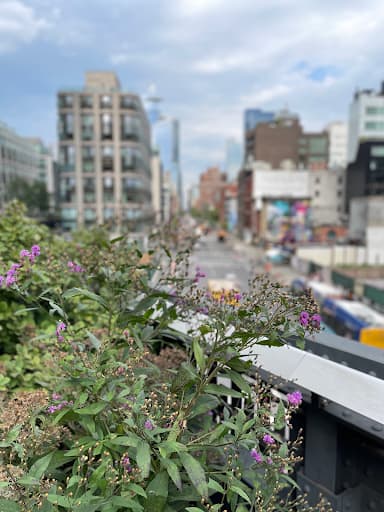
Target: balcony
126, 102
87, 133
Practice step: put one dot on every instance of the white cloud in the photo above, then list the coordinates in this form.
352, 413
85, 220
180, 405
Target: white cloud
119, 58
198, 7
19, 24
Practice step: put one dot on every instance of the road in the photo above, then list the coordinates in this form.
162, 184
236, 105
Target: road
235, 261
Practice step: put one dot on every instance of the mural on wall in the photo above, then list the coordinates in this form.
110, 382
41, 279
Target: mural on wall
288, 221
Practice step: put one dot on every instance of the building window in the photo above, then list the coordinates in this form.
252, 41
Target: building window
87, 127
317, 180
106, 101
372, 165
131, 190
339, 193
68, 218
108, 190
88, 158
67, 158
107, 158
377, 151
66, 101
374, 111
89, 216
128, 102
86, 101
67, 190
374, 125
130, 127
109, 214
340, 180
131, 159
106, 127
66, 126
317, 193
89, 192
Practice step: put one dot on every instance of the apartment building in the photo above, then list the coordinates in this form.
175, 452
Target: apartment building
18, 159
104, 156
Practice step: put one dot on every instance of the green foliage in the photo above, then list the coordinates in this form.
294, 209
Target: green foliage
119, 428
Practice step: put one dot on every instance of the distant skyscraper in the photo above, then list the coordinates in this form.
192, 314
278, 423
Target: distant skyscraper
254, 116
166, 140
338, 144
233, 158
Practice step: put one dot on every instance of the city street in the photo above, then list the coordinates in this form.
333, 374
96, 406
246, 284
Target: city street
235, 261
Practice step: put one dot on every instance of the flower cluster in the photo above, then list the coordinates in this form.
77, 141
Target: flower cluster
149, 425
74, 267
307, 320
198, 275
126, 463
11, 276
256, 456
268, 439
59, 329
57, 407
295, 398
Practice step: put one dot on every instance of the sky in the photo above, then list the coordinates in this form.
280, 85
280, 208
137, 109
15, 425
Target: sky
208, 59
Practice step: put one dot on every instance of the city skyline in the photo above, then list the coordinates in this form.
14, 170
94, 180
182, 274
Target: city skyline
206, 78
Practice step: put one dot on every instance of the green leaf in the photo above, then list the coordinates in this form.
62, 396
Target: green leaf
219, 389
212, 484
137, 489
75, 292
195, 472
9, 506
28, 480
240, 492
199, 354
125, 502
143, 458
280, 422
40, 466
173, 472
168, 447
204, 404
194, 509
157, 492
95, 408
128, 440
63, 501
240, 382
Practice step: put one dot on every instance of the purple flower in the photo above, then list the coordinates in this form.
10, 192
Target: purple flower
268, 439
24, 253
10, 279
203, 309
126, 463
315, 321
1, 280
148, 425
304, 318
295, 398
269, 460
238, 297
74, 267
35, 250
256, 456
56, 396
59, 329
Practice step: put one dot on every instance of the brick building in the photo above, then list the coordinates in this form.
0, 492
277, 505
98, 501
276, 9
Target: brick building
212, 191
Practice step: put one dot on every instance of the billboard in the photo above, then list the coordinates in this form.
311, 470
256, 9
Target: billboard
288, 220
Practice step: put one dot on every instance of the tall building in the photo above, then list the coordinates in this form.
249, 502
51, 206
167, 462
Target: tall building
338, 144
366, 119
48, 169
233, 158
18, 159
104, 156
166, 141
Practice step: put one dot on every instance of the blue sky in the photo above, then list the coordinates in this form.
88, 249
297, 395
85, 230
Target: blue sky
208, 59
